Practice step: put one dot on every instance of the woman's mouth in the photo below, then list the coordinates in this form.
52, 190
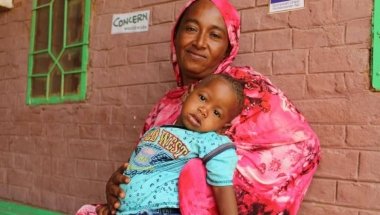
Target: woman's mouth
196, 55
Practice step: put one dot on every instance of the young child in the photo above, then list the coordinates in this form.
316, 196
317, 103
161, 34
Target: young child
156, 163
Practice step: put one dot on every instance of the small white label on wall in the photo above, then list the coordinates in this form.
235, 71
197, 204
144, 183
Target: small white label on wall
6, 3
130, 22
276, 6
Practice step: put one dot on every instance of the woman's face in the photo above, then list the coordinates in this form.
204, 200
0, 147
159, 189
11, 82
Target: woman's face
201, 41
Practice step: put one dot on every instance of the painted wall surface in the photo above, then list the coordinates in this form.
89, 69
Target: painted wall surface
60, 156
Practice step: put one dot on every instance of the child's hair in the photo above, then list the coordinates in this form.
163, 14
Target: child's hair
237, 86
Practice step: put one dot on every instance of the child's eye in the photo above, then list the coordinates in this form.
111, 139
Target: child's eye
202, 98
217, 113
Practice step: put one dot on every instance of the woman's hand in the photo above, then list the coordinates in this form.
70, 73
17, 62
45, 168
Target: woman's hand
114, 192
102, 210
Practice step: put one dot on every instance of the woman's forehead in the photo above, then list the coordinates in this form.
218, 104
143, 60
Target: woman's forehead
205, 11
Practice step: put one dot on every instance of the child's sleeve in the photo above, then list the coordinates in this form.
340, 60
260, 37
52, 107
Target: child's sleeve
220, 169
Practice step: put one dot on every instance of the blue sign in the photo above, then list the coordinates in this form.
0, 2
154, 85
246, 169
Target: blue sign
276, 6
277, 1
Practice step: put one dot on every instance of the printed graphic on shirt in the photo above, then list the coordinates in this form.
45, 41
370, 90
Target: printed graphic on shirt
142, 160
151, 136
142, 163
159, 146
172, 144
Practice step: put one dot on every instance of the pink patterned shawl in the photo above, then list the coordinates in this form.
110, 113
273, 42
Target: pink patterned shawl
278, 151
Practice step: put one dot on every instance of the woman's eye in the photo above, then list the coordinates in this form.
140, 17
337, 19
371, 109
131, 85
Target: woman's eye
215, 35
217, 113
190, 29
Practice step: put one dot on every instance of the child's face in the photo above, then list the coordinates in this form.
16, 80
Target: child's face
209, 107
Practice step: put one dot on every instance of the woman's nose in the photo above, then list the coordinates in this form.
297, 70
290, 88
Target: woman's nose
200, 40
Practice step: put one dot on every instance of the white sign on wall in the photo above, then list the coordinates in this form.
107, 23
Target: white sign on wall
130, 22
285, 5
6, 3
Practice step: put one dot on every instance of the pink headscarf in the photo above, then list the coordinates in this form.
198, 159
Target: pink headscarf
278, 151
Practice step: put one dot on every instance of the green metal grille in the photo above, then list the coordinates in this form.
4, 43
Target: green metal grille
58, 56
376, 46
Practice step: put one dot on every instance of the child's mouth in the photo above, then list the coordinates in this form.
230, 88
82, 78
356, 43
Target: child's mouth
194, 120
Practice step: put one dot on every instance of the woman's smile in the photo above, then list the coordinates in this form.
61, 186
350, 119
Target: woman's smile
196, 55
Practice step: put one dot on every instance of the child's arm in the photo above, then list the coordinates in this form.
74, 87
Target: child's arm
225, 200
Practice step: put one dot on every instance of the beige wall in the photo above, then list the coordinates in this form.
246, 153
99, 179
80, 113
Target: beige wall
60, 156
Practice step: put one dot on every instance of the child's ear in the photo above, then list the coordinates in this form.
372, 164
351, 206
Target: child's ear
191, 88
224, 128
184, 96
187, 93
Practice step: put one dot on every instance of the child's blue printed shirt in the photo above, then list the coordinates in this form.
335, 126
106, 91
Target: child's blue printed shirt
155, 165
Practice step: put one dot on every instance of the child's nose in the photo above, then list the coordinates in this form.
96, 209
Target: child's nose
203, 111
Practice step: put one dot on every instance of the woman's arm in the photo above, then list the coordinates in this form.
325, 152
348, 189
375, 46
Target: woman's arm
225, 199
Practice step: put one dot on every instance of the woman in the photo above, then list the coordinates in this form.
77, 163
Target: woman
278, 152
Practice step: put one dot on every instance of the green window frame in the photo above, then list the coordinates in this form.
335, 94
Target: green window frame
376, 46
58, 54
